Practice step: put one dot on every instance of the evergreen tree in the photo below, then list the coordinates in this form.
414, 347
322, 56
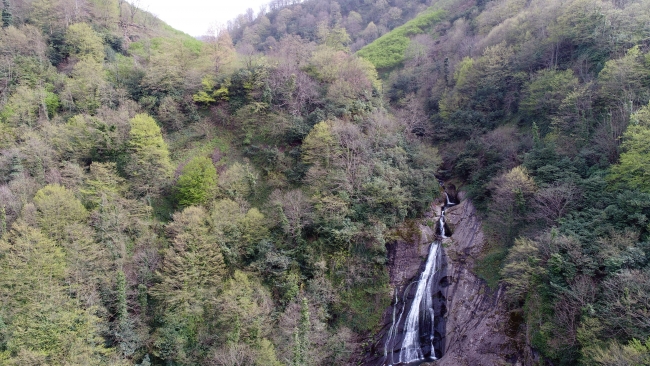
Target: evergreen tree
189, 279
3, 220
7, 16
301, 337
44, 324
127, 338
16, 167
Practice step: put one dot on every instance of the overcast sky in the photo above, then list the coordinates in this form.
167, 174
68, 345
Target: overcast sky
194, 17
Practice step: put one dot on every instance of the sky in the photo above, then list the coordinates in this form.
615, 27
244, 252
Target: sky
195, 17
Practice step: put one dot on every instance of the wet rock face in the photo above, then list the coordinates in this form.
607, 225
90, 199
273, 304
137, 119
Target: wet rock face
472, 318
405, 262
475, 331
405, 258
453, 194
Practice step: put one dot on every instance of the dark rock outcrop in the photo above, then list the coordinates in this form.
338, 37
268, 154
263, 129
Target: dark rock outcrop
451, 191
477, 318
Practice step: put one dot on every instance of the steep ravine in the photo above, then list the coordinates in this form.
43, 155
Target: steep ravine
475, 321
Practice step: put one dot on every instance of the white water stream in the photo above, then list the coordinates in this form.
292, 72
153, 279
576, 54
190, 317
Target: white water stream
421, 311
422, 303
441, 222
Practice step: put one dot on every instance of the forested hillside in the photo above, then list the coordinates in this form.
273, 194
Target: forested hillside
170, 201
540, 110
354, 22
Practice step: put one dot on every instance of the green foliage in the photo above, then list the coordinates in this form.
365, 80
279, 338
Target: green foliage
102, 183
316, 177
266, 354
545, 95
149, 166
193, 266
360, 301
3, 220
238, 181
43, 323
57, 208
513, 196
83, 43
7, 16
625, 80
632, 170
197, 182
244, 310
338, 39
492, 257
301, 340
388, 50
239, 232
633, 353
22, 107
190, 277
319, 146
521, 268
85, 89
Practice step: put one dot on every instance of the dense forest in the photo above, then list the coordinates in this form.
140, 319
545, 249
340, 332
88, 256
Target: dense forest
227, 201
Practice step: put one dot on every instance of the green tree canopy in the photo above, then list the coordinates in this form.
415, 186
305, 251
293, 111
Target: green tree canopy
197, 183
44, 325
320, 145
149, 166
544, 95
193, 266
83, 43
58, 208
190, 278
633, 169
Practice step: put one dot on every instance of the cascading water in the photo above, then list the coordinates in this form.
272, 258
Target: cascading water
422, 306
441, 223
418, 330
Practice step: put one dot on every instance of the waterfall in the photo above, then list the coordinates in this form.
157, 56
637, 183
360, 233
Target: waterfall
411, 349
392, 332
441, 222
417, 332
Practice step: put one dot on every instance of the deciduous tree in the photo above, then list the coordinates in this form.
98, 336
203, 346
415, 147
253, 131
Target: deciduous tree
83, 43
197, 183
149, 166
633, 169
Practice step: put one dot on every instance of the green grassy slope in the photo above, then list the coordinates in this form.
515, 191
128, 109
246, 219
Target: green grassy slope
388, 51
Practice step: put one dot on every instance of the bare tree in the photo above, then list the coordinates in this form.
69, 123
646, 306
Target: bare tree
512, 193
627, 295
294, 209
581, 293
552, 203
413, 115
353, 154
220, 46
238, 354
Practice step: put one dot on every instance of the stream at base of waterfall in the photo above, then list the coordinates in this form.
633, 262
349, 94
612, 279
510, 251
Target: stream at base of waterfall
418, 335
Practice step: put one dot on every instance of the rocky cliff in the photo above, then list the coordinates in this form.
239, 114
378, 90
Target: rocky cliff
475, 325
477, 322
